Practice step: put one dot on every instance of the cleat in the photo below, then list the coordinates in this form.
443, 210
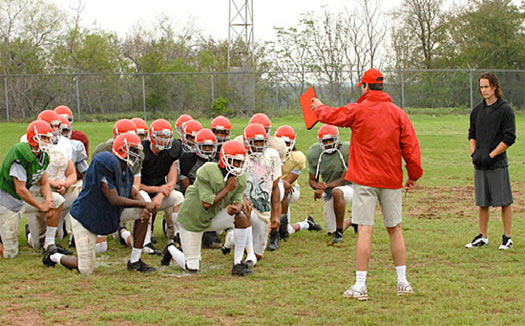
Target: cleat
166, 256
46, 260
250, 263
359, 294
312, 225
478, 241
226, 251
404, 288
506, 243
241, 270
59, 249
274, 241
211, 240
140, 266
338, 237
283, 228
150, 249
154, 240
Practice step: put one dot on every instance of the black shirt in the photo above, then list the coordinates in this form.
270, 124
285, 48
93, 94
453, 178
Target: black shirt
155, 168
490, 125
190, 163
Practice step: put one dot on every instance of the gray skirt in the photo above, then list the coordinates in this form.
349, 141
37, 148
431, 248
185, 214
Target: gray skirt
492, 187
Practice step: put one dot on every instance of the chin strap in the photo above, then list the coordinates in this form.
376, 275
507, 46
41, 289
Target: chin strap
321, 157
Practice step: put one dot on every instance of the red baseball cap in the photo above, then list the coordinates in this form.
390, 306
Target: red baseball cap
371, 76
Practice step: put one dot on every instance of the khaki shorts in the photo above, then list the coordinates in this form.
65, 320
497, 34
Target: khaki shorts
364, 203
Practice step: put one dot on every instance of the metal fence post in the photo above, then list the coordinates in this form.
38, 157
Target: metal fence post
144, 96
78, 97
276, 96
212, 89
6, 100
403, 88
471, 91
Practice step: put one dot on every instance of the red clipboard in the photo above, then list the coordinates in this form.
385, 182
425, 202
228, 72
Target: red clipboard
310, 119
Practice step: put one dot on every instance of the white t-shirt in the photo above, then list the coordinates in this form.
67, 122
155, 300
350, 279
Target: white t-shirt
260, 173
59, 156
79, 155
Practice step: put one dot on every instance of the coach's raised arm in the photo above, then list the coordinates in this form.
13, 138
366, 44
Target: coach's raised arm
381, 134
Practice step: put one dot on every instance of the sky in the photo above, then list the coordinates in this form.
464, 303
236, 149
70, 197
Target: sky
209, 16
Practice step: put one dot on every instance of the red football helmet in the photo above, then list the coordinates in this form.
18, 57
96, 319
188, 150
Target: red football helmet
124, 126
65, 127
221, 127
180, 121
39, 134
329, 138
53, 119
142, 127
262, 119
189, 132
206, 144
127, 147
255, 133
161, 134
65, 111
287, 134
232, 157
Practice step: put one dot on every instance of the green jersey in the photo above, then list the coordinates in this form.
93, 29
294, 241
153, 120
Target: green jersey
330, 166
209, 182
107, 146
35, 167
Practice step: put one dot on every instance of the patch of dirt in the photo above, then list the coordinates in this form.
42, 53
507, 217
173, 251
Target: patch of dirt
17, 315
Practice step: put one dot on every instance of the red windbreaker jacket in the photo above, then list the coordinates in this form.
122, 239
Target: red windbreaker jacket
381, 134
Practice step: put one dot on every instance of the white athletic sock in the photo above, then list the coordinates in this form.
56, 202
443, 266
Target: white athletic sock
304, 225
174, 218
101, 247
291, 230
135, 255
229, 239
147, 239
360, 279
51, 231
250, 254
125, 234
401, 272
177, 256
29, 242
56, 257
240, 236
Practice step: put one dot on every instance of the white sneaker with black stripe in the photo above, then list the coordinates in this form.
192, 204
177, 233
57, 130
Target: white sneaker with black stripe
479, 241
506, 243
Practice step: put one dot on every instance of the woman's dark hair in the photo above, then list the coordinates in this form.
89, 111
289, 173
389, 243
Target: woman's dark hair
493, 81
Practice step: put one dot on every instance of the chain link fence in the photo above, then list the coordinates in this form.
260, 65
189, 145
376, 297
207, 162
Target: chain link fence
99, 97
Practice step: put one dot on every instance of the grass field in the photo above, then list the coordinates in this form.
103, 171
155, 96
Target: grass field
303, 282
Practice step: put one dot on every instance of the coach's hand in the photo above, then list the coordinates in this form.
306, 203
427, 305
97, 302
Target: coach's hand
316, 103
410, 184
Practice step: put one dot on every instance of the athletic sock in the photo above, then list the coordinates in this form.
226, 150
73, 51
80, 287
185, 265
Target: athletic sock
56, 257
29, 242
125, 234
360, 279
401, 272
240, 236
304, 225
177, 256
101, 247
147, 239
51, 231
135, 255
174, 218
250, 254
229, 239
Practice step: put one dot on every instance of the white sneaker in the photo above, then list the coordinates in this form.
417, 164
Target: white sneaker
478, 241
404, 288
506, 243
359, 294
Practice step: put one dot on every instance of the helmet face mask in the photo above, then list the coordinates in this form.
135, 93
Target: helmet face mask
255, 140
127, 148
190, 129
232, 158
329, 143
222, 134
39, 136
162, 139
206, 150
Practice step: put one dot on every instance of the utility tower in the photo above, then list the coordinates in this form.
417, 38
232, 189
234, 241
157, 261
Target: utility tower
241, 61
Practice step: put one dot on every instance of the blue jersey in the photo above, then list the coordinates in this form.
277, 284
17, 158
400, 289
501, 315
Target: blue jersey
91, 208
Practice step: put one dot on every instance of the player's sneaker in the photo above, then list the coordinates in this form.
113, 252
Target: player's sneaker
479, 241
226, 251
150, 249
354, 293
250, 263
241, 270
154, 240
338, 237
283, 228
312, 225
59, 249
404, 288
506, 243
211, 240
140, 266
166, 256
274, 240
46, 260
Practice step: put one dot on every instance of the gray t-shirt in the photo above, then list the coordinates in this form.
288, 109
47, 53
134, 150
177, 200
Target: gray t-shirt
6, 199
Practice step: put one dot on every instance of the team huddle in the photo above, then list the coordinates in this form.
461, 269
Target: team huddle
205, 183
